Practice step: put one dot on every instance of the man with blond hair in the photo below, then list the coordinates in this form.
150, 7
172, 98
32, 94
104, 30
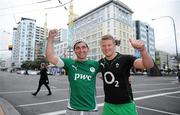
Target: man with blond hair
115, 68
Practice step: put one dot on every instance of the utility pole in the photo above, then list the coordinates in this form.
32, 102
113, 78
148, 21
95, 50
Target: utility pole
174, 27
45, 34
70, 29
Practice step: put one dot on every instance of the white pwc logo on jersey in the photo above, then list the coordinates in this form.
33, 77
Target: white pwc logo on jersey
82, 76
92, 69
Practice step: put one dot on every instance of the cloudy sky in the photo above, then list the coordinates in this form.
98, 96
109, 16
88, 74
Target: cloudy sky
11, 12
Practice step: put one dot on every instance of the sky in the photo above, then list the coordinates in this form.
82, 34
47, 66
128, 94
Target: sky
11, 12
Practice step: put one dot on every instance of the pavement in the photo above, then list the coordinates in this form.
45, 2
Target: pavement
6, 108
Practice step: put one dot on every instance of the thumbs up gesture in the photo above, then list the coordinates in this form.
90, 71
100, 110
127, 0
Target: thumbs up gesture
137, 44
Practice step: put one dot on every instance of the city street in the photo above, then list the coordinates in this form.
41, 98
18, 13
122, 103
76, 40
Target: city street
153, 95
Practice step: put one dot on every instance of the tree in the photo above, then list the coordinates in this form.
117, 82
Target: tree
26, 64
33, 64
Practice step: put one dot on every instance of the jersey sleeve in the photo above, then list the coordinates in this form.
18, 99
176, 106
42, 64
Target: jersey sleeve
67, 62
131, 60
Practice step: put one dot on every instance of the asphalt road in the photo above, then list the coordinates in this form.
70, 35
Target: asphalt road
153, 95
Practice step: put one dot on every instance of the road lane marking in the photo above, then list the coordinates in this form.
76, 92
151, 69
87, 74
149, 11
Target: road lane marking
42, 103
63, 111
155, 110
172, 96
138, 98
49, 102
54, 113
30, 91
153, 84
143, 91
55, 89
155, 95
101, 96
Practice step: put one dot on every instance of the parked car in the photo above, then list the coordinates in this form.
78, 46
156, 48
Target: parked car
30, 72
20, 72
49, 73
33, 72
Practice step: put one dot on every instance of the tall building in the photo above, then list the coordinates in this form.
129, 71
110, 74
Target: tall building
61, 50
165, 60
61, 43
40, 42
112, 17
62, 36
145, 33
15, 50
23, 41
29, 42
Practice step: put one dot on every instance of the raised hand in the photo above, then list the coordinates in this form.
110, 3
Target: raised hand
137, 44
53, 33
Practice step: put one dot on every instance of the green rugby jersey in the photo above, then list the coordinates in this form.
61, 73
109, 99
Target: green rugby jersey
82, 81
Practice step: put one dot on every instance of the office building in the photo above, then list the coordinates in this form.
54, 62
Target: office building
112, 17
145, 33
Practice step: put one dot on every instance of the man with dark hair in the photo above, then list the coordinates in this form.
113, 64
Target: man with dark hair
115, 68
81, 75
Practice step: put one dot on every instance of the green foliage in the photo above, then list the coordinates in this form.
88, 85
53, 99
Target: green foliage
33, 65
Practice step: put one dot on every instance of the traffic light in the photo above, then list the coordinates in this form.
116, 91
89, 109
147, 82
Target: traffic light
10, 47
118, 42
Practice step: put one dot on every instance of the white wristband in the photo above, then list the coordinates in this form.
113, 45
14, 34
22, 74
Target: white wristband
60, 63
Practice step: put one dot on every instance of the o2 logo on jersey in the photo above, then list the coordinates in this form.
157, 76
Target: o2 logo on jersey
112, 79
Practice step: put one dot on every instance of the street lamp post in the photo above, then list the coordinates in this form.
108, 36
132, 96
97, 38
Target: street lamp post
177, 58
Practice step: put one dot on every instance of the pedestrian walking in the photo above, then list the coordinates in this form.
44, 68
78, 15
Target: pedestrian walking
26, 72
43, 80
178, 75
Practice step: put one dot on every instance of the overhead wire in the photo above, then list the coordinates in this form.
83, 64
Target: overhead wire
22, 5
19, 12
62, 4
40, 9
59, 5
